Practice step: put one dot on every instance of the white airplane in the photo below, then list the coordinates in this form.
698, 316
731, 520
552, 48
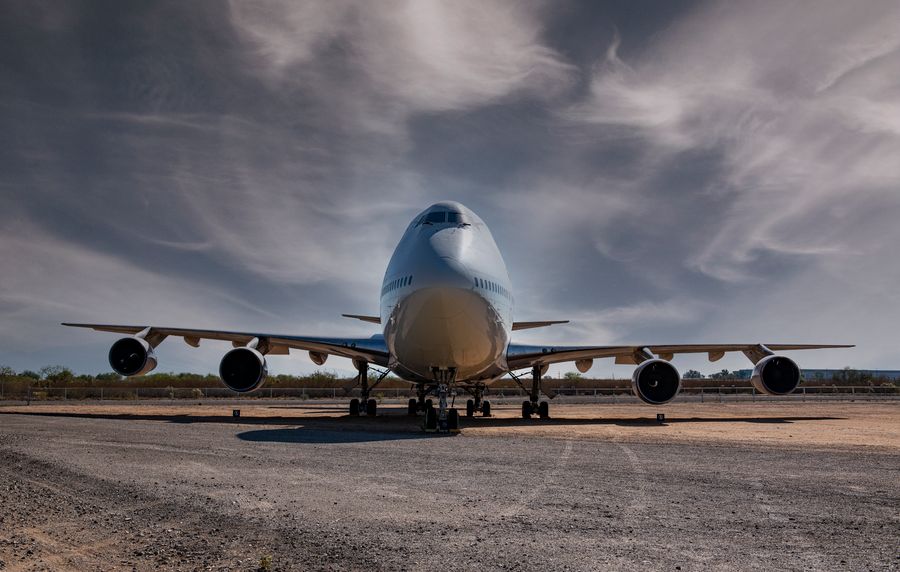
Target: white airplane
447, 316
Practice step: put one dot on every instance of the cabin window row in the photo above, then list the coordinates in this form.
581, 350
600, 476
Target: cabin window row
395, 284
492, 287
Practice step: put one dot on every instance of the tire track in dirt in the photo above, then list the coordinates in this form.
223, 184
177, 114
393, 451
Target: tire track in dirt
551, 478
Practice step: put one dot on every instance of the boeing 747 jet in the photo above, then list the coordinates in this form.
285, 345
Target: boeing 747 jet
446, 321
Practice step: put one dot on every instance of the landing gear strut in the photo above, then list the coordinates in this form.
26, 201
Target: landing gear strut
418, 403
478, 404
366, 405
532, 406
445, 419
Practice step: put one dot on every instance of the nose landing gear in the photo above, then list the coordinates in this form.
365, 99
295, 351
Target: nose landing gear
445, 419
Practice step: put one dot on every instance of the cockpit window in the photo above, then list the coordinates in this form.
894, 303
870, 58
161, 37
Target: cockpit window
438, 216
457, 218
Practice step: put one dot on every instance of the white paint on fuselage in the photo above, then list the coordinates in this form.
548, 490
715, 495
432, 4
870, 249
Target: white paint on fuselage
446, 298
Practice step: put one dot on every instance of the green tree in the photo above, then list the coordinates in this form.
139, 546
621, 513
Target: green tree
572, 375
56, 374
692, 374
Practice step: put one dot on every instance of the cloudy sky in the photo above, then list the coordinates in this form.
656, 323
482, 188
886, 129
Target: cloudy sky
656, 172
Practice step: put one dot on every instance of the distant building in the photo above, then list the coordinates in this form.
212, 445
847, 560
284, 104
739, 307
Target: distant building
813, 374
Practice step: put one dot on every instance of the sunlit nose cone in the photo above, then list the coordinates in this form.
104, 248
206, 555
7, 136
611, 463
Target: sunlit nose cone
444, 326
445, 303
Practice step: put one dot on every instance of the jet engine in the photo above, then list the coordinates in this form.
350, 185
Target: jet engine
583, 365
318, 358
656, 381
243, 369
132, 356
775, 375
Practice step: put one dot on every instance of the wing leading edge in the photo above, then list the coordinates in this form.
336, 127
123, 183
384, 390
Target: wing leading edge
372, 350
519, 356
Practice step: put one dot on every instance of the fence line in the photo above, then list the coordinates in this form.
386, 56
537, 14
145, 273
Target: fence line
703, 394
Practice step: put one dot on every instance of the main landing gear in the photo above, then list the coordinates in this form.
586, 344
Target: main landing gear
366, 405
420, 404
532, 407
478, 404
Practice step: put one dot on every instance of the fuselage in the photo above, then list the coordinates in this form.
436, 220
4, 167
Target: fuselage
446, 299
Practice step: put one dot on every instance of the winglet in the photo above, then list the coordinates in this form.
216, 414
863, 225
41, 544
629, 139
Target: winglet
372, 319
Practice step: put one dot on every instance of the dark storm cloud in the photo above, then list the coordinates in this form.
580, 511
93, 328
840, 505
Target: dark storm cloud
705, 172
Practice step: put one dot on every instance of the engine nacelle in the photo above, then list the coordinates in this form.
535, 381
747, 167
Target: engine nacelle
656, 381
243, 370
132, 356
775, 375
583, 365
318, 358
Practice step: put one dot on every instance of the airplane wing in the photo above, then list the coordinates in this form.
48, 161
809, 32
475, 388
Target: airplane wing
529, 325
519, 356
371, 319
372, 349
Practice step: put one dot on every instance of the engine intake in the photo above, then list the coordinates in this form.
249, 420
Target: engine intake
243, 370
775, 375
656, 381
132, 356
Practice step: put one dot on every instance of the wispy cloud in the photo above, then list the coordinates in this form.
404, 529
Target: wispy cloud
800, 126
720, 171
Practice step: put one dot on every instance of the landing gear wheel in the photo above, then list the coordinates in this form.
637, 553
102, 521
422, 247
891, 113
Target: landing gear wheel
486, 409
371, 407
453, 420
431, 420
354, 407
526, 410
470, 408
412, 407
429, 404
544, 410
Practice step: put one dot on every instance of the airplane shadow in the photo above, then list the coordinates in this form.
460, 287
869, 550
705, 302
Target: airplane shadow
317, 435
392, 425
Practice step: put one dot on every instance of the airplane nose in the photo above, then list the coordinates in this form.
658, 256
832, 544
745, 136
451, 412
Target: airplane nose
447, 272
440, 261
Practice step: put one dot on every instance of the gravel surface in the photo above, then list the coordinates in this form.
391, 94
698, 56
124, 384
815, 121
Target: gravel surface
181, 492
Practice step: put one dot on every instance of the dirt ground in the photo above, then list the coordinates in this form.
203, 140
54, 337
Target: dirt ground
748, 486
815, 424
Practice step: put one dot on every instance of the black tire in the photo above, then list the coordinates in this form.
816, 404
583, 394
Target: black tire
485, 408
526, 410
354, 407
429, 404
453, 420
412, 408
544, 410
431, 419
470, 408
371, 407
